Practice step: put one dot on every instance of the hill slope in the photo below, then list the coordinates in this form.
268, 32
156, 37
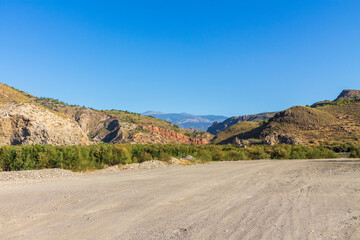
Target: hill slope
329, 123
325, 121
218, 127
116, 126
27, 119
348, 94
23, 121
234, 130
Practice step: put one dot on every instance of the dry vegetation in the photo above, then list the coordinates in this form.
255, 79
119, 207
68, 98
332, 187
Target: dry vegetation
338, 121
9, 94
99, 156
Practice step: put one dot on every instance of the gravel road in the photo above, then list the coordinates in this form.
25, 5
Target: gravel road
287, 199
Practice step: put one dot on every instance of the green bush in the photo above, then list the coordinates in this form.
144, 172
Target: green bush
355, 153
259, 153
279, 152
235, 155
80, 158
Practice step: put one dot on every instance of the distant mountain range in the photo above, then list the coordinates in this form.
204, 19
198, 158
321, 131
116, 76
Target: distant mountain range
186, 120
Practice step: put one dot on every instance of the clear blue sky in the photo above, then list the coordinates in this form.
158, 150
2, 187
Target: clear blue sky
201, 57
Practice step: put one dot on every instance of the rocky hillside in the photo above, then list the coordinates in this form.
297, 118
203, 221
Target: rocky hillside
186, 120
234, 130
348, 94
320, 103
218, 127
336, 121
23, 121
26, 119
116, 126
136, 128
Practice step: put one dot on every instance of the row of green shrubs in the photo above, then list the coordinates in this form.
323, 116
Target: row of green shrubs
341, 102
80, 158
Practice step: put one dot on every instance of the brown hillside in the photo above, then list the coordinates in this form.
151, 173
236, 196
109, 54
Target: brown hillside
334, 122
23, 121
348, 94
218, 127
9, 94
235, 130
115, 126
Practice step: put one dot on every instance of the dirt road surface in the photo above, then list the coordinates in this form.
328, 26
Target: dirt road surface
287, 199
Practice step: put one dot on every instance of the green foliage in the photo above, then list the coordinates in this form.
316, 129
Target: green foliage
51, 103
343, 147
260, 152
341, 102
355, 153
264, 122
80, 158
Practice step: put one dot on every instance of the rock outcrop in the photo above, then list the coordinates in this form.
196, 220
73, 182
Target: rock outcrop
303, 125
87, 119
29, 123
274, 138
348, 94
113, 131
320, 103
160, 135
102, 127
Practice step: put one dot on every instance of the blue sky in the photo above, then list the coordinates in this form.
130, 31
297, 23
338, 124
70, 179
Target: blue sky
201, 57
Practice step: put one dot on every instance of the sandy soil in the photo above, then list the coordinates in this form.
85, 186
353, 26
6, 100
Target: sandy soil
289, 199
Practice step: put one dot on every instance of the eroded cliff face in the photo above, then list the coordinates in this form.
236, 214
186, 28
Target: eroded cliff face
106, 128
113, 131
348, 94
153, 134
87, 119
29, 123
160, 135
26, 119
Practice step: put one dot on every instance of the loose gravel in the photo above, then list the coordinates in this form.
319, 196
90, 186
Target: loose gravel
34, 174
272, 199
56, 172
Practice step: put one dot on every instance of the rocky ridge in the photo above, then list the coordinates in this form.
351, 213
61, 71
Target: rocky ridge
218, 127
348, 94
34, 120
305, 125
23, 121
170, 136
